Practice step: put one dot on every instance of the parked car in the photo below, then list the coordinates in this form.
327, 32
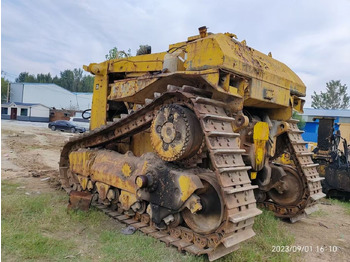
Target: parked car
64, 125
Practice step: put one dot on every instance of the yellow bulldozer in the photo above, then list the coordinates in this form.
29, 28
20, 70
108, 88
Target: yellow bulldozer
185, 143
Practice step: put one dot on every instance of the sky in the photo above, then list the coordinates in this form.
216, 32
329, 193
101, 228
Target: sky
41, 36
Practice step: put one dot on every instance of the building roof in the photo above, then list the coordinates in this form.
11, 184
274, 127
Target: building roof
83, 93
327, 112
22, 104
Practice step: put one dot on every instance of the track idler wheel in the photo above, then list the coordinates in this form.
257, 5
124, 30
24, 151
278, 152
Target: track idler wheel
210, 217
175, 133
292, 190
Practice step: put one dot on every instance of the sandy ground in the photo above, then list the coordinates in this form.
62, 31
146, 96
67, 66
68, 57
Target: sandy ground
30, 154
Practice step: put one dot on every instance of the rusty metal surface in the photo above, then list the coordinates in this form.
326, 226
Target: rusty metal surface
336, 182
306, 177
175, 133
79, 200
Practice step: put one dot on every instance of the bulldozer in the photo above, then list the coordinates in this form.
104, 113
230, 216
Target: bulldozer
184, 144
333, 159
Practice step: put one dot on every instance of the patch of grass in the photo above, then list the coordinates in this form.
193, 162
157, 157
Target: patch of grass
23, 223
138, 247
38, 228
8, 187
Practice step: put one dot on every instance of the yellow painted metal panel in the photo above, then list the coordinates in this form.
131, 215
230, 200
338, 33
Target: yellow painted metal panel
141, 143
187, 187
345, 132
141, 63
260, 136
234, 56
99, 102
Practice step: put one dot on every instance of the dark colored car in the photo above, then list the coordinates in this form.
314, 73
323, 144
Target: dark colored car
64, 125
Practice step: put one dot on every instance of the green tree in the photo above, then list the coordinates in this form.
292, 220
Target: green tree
25, 77
114, 53
301, 123
4, 86
143, 50
67, 79
44, 78
72, 80
335, 97
77, 82
56, 80
88, 83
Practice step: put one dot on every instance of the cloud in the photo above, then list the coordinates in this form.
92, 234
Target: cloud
311, 37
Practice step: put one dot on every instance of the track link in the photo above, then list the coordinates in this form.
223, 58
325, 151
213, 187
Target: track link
231, 172
227, 163
307, 171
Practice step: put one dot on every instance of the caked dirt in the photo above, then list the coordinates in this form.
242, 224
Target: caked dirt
30, 155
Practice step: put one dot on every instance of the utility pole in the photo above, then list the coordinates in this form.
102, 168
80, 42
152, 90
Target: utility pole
8, 92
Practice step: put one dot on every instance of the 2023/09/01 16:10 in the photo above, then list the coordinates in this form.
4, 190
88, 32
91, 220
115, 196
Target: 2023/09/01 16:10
318, 249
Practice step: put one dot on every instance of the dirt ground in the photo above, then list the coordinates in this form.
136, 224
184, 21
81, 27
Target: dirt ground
30, 154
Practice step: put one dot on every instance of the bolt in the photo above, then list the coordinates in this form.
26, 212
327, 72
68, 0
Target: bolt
165, 146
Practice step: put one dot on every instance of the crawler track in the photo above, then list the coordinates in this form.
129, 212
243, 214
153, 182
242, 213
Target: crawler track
228, 166
222, 145
307, 172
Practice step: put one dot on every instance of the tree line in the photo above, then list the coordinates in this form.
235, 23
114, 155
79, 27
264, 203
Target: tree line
72, 80
335, 97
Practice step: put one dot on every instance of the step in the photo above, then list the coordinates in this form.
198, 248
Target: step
148, 101
156, 95
172, 88
305, 154
241, 216
309, 210
208, 101
296, 131
313, 180
300, 142
221, 251
234, 169
218, 117
233, 190
228, 151
317, 196
297, 218
223, 134
238, 237
294, 121
193, 249
315, 189
310, 165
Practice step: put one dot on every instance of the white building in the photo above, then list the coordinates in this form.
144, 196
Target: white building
50, 95
25, 112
